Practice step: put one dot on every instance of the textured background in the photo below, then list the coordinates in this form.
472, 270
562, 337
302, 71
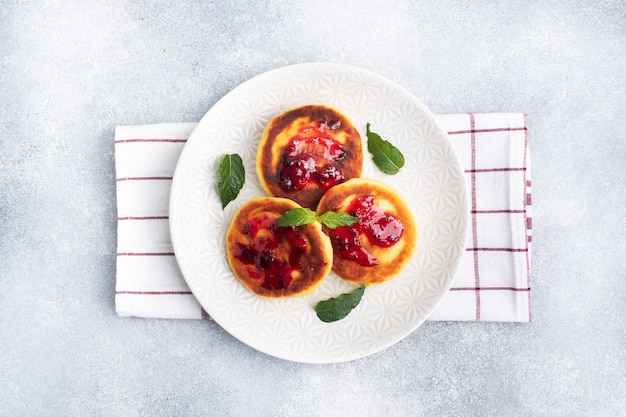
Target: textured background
70, 71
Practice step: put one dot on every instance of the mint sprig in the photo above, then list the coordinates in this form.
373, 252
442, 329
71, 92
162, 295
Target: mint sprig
302, 215
297, 217
232, 176
387, 157
333, 219
339, 307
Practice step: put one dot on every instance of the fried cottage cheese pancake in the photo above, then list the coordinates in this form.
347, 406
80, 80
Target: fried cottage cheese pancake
380, 244
305, 151
276, 261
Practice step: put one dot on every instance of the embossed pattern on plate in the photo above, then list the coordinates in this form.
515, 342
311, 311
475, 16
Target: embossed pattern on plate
432, 182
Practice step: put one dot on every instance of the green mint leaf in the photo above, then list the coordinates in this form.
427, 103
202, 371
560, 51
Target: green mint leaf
232, 176
333, 219
339, 307
387, 157
297, 217
302, 215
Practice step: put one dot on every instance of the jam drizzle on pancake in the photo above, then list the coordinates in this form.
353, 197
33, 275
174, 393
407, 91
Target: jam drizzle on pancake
310, 156
260, 255
380, 228
305, 151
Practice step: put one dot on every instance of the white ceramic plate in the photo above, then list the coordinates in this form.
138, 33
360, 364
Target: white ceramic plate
431, 181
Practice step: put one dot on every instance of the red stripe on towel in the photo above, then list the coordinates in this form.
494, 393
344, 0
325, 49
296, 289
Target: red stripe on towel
145, 254
154, 292
150, 141
498, 129
498, 211
490, 289
143, 179
528, 201
473, 193
496, 249
474, 171
143, 218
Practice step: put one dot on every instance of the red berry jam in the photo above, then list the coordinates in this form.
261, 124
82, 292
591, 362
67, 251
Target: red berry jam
260, 255
380, 228
310, 157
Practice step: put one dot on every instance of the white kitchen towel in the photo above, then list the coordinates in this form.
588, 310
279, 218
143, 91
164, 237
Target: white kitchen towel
492, 283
